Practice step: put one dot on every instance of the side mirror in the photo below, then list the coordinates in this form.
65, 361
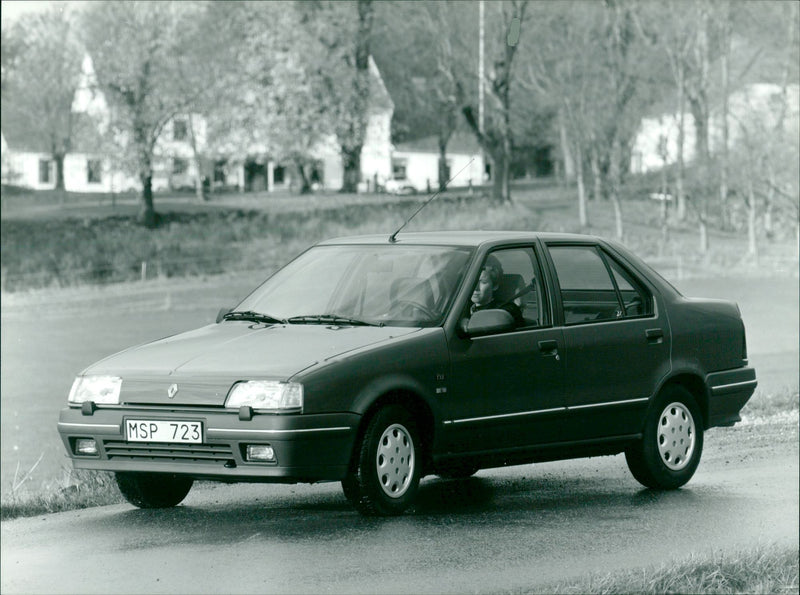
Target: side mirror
222, 312
487, 322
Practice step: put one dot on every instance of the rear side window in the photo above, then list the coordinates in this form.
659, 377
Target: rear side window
594, 287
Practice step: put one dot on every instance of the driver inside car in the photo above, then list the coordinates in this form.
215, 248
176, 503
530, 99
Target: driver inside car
485, 295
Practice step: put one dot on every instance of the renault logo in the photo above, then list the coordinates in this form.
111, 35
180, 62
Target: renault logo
172, 390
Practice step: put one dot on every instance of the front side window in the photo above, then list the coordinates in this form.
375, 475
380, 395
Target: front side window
594, 287
509, 279
392, 285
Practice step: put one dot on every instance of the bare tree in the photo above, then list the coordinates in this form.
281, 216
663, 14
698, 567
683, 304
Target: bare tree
496, 137
40, 88
135, 47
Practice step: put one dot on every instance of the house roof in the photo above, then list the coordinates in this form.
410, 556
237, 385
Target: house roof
379, 97
459, 143
19, 134
22, 136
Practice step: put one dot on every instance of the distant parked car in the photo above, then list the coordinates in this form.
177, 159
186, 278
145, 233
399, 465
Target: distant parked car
367, 360
399, 186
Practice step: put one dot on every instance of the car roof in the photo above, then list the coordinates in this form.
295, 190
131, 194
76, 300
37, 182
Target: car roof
458, 238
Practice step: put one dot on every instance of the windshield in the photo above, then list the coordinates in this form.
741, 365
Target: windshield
392, 285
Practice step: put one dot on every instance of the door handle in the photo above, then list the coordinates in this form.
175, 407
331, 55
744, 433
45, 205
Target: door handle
549, 348
654, 335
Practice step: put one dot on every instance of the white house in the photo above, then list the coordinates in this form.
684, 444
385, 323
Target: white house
418, 161
90, 166
261, 172
656, 144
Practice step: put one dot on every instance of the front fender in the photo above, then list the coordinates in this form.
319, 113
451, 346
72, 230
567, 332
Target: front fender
394, 384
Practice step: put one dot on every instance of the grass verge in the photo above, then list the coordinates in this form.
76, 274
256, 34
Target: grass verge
205, 239
82, 489
760, 570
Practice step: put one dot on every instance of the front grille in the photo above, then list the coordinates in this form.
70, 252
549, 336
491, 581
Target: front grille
154, 451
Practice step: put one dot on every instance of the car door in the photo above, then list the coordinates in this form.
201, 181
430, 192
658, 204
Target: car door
616, 340
506, 389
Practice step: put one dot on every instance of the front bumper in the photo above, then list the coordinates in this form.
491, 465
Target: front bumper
307, 448
728, 391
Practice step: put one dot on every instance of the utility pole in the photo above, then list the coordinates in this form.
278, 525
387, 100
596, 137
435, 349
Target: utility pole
480, 84
480, 65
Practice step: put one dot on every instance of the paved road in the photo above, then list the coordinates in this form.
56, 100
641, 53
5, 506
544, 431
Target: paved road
505, 529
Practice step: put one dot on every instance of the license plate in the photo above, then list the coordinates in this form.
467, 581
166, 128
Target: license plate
148, 430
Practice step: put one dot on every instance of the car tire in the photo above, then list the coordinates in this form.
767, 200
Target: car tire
387, 467
672, 442
153, 490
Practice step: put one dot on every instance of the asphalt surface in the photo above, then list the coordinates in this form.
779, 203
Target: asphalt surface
504, 529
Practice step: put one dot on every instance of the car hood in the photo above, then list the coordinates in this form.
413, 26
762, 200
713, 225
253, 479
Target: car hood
205, 362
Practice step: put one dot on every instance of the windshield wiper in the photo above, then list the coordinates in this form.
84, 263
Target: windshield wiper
329, 319
252, 316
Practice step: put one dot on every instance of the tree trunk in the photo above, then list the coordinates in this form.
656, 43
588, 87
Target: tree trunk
354, 137
569, 163
620, 231
351, 163
58, 158
198, 178
499, 177
305, 183
769, 201
725, 89
597, 175
679, 191
703, 229
443, 174
583, 215
615, 182
752, 243
147, 213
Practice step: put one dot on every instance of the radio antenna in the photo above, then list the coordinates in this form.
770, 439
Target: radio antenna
393, 237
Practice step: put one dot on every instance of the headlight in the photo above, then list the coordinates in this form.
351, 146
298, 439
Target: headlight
100, 389
266, 394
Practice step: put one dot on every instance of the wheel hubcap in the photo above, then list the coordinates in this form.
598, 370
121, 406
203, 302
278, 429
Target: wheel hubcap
395, 460
676, 436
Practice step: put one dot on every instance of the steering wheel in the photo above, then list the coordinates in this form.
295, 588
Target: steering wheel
422, 308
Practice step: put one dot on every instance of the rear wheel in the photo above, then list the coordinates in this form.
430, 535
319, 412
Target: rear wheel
153, 490
388, 465
670, 449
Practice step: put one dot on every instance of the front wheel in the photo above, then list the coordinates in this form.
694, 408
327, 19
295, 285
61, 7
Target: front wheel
670, 449
387, 469
153, 490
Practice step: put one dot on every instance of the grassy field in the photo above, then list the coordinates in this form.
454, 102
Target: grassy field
89, 240
763, 570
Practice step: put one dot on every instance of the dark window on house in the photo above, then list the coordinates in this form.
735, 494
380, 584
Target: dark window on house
179, 166
317, 173
278, 174
45, 171
219, 172
399, 170
94, 171
179, 130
